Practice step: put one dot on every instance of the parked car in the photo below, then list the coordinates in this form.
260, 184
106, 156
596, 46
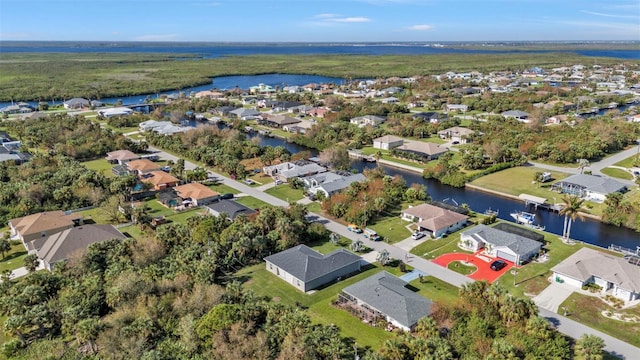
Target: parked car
498, 265
371, 234
417, 235
226, 196
248, 181
354, 228
166, 168
278, 182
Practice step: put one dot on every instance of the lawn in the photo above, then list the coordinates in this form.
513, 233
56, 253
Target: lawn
617, 173
588, 310
370, 150
101, 166
436, 289
251, 202
461, 268
314, 207
520, 181
628, 162
391, 228
224, 189
14, 258
285, 192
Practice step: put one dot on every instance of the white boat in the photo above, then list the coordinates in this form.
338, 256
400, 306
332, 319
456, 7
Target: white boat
522, 217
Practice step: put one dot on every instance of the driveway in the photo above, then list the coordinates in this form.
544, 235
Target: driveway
481, 262
551, 297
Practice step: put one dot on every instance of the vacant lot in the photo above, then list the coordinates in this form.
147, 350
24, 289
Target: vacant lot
520, 180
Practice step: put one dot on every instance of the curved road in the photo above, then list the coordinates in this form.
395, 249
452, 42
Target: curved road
565, 325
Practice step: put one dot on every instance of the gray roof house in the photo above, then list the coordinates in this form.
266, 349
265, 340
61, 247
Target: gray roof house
244, 113
365, 120
76, 103
500, 244
61, 245
231, 208
330, 182
385, 295
307, 269
517, 114
614, 274
589, 187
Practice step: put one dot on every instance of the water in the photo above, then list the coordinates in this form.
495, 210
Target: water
589, 231
214, 50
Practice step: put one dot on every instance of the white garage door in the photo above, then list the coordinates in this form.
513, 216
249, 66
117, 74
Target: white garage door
506, 256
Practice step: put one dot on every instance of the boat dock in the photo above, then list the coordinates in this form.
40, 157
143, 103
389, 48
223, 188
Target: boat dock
357, 154
625, 251
539, 202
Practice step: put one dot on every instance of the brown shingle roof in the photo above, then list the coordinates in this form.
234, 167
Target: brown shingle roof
41, 222
433, 217
195, 191
121, 155
143, 165
160, 178
424, 147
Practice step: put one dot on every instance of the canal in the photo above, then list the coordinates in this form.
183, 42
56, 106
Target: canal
586, 230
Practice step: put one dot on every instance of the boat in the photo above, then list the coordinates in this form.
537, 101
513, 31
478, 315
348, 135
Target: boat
522, 217
490, 212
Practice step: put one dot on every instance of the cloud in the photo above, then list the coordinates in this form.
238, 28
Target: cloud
421, 27
335, 18
610, 15
165, 37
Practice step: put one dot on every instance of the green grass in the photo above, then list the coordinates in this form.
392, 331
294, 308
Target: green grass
251, 202
370, 150
224, 189
588, 310
628, 162
617, 173
391, 228
314, 207
436, 289
520, 181
461, 268
285, 192
101, 166
13, 258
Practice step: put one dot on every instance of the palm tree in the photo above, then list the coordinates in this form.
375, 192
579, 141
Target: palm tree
356, 246
383, 257
570, 210
589, 347
582, 163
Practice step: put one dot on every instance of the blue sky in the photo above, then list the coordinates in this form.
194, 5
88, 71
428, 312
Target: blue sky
319, 20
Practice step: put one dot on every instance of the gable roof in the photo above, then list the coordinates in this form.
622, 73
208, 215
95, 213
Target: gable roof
434, 217
232, 208
342, 183
515, 113
37, 223
427, 148
122, 155
516, 243
195, 191
586, 262
282, 120
389, 295
62, 244
306, 264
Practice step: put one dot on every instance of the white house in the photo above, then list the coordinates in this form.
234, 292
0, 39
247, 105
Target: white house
436, 220
589, 187
387, 142
367, 120
614, 274
500, 244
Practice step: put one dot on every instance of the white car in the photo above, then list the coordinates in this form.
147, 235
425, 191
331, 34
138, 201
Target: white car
417, 235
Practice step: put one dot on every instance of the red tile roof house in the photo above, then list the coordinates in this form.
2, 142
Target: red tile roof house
159, 179
197, 193
436, 220
41, 225
142, 166
121, 157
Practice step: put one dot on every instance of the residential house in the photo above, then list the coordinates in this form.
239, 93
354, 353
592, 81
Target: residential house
42, 225
389, 100
387, 142
318, 111
159, 180
368, 120
307, 269
231, 208
288, 170
142, 166
121, 157
329, 183
386, 296
19, 108
278, 121
262, 89
456, 133
162, 127
120, 170
197, 194
614, 274
434, 219
212, 94
589, 187
456, 108
62, 245
500, 244
116, 111
280, 105
10, 150
426, 150
557, 119
245, 114
521, 116
432, 117
77, 103
224, 110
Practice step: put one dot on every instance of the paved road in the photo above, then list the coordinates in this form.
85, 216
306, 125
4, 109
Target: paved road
565, 325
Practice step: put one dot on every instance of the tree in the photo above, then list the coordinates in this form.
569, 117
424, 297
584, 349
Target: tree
334, 238
383, 257
582, 163
589, 347
357, 246
570, 210
178, 169
31, 262
5, 246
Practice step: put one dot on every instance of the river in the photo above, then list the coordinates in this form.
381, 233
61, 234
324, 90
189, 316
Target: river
588, 230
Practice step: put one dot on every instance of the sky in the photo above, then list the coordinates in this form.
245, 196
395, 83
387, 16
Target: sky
319, 20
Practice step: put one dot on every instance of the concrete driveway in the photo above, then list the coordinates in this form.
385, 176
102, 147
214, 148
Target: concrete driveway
551, 297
